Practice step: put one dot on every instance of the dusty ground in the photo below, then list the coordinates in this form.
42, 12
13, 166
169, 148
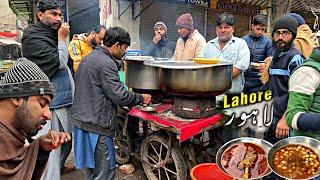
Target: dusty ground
138, 174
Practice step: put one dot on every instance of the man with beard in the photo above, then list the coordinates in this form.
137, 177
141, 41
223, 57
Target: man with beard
260, 48
94, 111
83, 44
286, 58
25, 95
44, 43
161, 47
191, 43
229, 49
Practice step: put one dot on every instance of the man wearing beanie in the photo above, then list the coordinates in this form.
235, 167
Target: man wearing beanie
306, 40
191, 43
44, 43
229, 49
25, 95
285, 60
160, 47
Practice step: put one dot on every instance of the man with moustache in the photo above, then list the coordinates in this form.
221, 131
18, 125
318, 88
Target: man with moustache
191, 43
44, 43
286, 58
25, 95
83, 44
160, 47
94, 112
229, 49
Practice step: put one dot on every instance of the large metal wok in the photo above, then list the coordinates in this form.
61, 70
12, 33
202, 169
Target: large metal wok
190, 79
140, 76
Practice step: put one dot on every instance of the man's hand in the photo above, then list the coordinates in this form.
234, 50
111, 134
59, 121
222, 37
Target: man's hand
265, 70
156, 38
282, 129
53, 140
63, 32
146, 98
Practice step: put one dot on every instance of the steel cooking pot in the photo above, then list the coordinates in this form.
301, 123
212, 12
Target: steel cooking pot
191, 79
140, 76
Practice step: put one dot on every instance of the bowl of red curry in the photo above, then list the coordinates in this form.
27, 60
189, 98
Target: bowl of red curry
244, 158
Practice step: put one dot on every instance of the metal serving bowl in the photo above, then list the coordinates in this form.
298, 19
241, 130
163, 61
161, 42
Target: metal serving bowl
265, 145
299, 140
192, 79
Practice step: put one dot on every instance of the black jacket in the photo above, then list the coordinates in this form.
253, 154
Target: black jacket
164, 49
40, 45
98, 93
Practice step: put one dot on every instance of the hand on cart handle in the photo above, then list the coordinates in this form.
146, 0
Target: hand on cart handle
146, 98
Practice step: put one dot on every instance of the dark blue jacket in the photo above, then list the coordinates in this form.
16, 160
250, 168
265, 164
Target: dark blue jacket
260, 49
63, 89
282, 66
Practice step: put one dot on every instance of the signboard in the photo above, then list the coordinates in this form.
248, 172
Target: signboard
203, 3
106, 13
242, 8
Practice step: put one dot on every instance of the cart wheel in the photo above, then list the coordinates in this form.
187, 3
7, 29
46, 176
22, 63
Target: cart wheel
170, 163
123, 143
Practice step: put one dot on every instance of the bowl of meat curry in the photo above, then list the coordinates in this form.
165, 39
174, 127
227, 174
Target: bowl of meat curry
295, 158
244, 158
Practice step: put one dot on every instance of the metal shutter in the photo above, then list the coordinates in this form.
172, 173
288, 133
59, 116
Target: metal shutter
168, 12
241, 27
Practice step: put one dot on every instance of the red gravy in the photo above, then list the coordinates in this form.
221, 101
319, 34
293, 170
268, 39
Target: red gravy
236, 153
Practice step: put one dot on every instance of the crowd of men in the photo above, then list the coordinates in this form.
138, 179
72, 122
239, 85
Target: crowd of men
41, 86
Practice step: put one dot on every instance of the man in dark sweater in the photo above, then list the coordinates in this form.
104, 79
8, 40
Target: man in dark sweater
94, 112
160, 47
286, 58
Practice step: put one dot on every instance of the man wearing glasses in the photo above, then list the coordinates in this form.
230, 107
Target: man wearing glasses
285, 60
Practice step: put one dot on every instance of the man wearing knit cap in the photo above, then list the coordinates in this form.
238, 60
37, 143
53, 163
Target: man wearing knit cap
306, 40
229, 49
44, 43
160, 47
285, 60
25, 95
191, 43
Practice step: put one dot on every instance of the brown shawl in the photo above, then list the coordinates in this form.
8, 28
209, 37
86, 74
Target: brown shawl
17, 160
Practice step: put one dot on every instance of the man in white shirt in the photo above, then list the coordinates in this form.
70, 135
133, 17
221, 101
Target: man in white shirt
229, 49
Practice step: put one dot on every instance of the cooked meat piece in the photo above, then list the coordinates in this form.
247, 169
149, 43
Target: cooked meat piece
247, 162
